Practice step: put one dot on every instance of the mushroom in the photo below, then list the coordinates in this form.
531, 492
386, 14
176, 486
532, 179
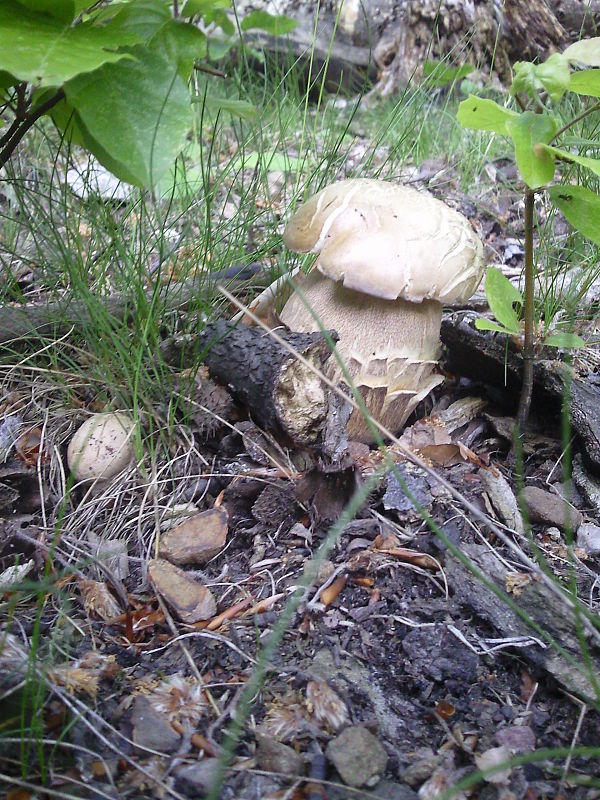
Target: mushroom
389, 257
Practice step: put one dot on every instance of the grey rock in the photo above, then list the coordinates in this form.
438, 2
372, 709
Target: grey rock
273, 756
358, 756
503, 499
550, 509
588, 485
151, 729
197, 777
518, 738
588, 537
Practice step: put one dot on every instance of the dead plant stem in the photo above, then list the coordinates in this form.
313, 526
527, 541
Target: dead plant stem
528, 344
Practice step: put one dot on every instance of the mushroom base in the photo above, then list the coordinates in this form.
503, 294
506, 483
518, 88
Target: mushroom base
390, 348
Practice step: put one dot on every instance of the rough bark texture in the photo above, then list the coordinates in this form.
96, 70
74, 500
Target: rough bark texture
484, 357
282, 393
390, 39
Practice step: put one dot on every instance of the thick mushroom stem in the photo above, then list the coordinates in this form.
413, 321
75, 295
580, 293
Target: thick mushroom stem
389, 347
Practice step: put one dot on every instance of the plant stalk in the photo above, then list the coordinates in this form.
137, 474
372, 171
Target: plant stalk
528, 344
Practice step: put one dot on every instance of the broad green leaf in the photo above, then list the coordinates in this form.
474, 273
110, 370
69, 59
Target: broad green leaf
7, 80
141, 18
218, 47
202, 7
527, 130
586, 82
238, 108
488, 325
501, 295
140, 116
580, 206
46, 52
66, 120
439, 73
553, 76
586, 51
592, 164
262, 20
565, 340
484, 115
59, 9
181, 43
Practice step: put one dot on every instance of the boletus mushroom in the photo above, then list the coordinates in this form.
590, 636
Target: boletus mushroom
389, 257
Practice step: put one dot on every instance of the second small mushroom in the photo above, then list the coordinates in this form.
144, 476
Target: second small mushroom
389, 257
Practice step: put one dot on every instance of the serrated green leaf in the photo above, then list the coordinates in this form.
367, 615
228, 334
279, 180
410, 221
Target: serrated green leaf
586, 82
202, 7
592, 164
262, 20
181, 43
552, 76
488, 325
527, 130
565, 340
140, 116
438, 73
484, 115
46, 52
501, 295
585, 51
580, 206
238, 108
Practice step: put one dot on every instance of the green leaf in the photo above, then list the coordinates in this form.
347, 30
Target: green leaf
269, 161
139, 116
552, 76
580, 206
181, 43
484, 115
141, 19
527, 130
275, 25
501, 295
592, 164
238, 108
565, 340
488, 325
439, 73
46, 52
202, 7
219, 17
218, 47
59, 9
585, 51
586, 82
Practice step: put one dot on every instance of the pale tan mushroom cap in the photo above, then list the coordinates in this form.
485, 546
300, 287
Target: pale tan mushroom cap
389, 241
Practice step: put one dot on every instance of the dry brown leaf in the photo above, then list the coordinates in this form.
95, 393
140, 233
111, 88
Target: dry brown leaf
97, 600
331, 592
326, 705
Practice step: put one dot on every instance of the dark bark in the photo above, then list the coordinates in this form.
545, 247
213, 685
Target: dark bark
281, 393
485, 357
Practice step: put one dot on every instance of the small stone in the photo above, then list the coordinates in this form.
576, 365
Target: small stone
358, 756
197, 778
190, 601
273, 756
196, 540
518, 738
588, 538
503, 499
550, 509
151, 729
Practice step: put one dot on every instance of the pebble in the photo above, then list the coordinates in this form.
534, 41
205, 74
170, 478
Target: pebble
273, 756
588, 538
151, 729
197, 777
358, 756
550, 509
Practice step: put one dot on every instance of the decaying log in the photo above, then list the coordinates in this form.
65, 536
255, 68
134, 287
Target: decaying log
547, 612
281, 393
58, 317
489, 358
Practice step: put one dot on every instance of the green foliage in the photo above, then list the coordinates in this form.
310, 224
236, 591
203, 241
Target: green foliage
502, 297
113, 78
533, 126
438, 73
